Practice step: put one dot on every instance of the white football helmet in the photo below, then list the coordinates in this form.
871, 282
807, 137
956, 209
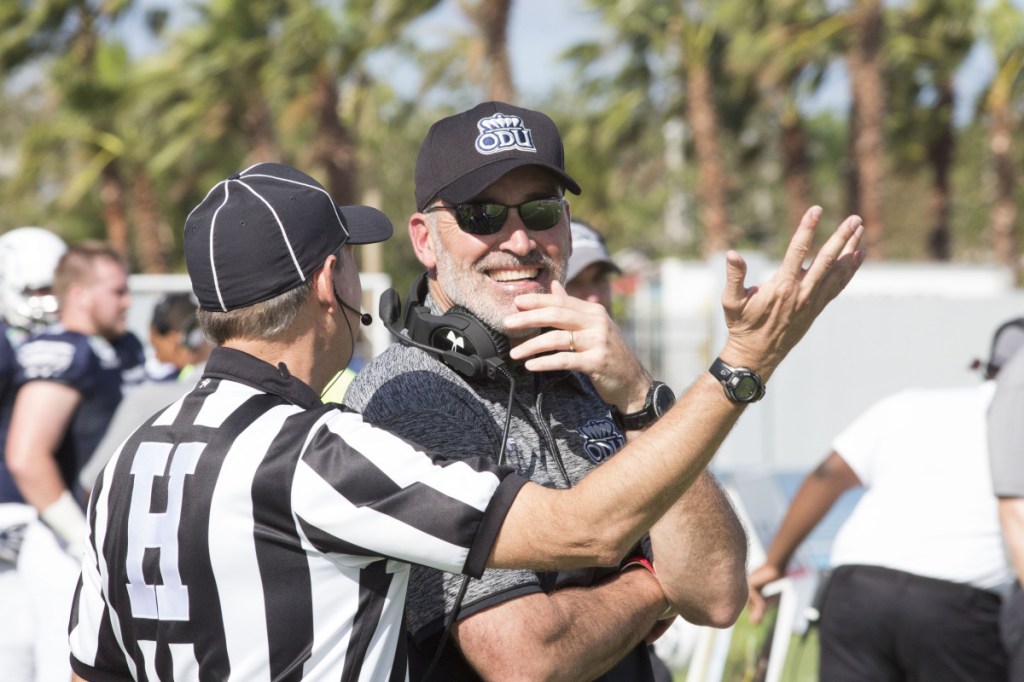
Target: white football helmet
28, 257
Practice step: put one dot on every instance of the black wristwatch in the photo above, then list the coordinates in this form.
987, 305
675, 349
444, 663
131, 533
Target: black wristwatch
741, 385
659, 399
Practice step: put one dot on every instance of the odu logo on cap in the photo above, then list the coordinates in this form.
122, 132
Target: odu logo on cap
502, 133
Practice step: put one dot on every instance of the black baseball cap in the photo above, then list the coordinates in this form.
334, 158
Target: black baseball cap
263, 231
464, 154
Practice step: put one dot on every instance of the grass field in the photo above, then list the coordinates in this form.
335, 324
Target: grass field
801, 658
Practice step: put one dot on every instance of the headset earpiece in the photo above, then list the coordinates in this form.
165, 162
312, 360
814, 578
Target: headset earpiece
484, 341
458, 337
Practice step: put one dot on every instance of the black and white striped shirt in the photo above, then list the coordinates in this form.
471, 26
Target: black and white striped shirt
249, 532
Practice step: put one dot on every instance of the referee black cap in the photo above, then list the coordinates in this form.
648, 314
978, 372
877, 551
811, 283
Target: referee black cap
263, 231
465, 154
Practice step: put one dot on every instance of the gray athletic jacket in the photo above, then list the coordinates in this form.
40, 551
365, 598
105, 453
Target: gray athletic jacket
560, 430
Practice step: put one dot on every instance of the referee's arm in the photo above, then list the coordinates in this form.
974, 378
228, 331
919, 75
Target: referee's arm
598, 521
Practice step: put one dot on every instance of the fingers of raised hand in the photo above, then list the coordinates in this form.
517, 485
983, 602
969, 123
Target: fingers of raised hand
840, 248
735, 276
800, 245
854, 241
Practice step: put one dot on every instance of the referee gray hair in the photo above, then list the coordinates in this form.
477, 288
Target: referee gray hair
262, 320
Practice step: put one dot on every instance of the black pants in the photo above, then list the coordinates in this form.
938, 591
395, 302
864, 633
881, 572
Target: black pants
1011, 626
880, 625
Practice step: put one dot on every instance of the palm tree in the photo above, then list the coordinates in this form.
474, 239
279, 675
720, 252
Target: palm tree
930, 40
322, 60
67, 33
491, 19
865, 63
668, 55
93, 143
784, 49
695, 36
267, 80
1003, 25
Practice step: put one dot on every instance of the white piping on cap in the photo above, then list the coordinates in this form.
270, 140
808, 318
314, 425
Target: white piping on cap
307, 186
213, 226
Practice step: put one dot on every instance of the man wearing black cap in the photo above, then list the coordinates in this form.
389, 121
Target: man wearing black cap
492, 229
248, 531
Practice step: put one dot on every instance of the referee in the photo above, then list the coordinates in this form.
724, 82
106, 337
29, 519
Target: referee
250, 532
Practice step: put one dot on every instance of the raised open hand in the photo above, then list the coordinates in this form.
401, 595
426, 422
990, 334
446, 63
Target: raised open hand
766, 321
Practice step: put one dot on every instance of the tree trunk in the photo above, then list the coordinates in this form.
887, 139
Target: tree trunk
150, 247
712, 182
850, 168
112, 197
864, 62
491, 17
258, 128
333, 148
1004, 208
796, 167
940, 154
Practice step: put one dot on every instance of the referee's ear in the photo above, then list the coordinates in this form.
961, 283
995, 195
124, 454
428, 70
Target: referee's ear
323, 283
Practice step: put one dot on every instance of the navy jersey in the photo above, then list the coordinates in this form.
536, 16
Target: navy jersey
7, 361
10, 339
93, 366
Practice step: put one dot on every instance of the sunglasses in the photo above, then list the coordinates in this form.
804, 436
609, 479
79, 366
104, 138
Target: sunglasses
488, 218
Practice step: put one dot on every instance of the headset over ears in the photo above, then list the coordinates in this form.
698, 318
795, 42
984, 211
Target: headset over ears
458, 337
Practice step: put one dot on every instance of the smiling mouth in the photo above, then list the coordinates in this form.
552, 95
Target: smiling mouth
516, 275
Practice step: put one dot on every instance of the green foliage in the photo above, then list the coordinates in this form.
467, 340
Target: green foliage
241, 81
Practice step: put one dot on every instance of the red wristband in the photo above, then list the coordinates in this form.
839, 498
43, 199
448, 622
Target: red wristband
639, 561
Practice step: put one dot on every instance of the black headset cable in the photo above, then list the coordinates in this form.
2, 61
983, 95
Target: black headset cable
464, 585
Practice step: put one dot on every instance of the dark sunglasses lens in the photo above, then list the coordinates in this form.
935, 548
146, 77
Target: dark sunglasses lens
481, 218
541, 214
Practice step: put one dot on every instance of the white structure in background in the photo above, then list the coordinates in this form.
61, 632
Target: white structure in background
896, 325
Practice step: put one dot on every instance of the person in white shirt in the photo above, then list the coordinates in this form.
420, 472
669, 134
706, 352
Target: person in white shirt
919, 566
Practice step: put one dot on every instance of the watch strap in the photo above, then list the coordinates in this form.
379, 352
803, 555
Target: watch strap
720, 370
730, 377
652, 410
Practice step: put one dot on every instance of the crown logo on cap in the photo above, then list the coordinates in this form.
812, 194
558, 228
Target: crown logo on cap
502, 133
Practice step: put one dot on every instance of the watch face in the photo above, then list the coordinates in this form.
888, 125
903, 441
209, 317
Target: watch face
663, 399
745, 388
